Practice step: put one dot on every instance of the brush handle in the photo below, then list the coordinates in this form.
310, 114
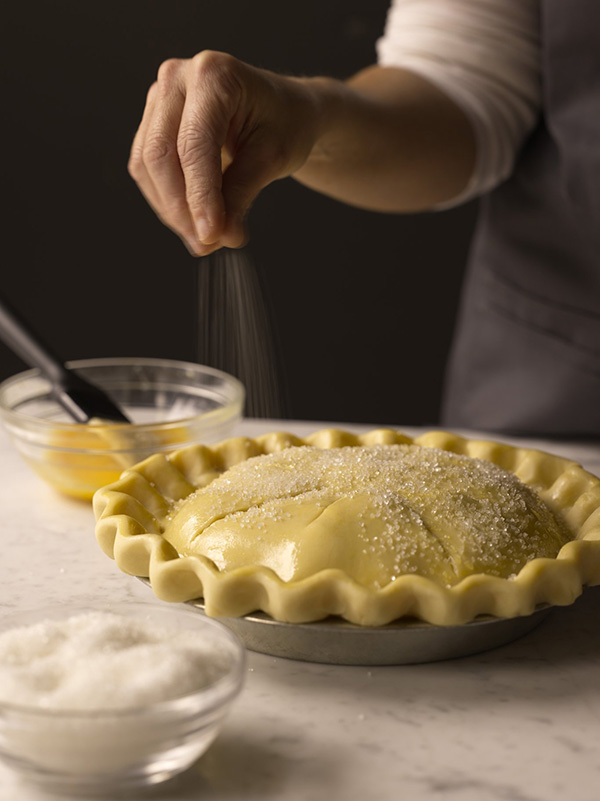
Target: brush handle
77, 396
27, 346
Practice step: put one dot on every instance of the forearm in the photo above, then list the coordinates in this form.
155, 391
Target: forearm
388, 140
215, 132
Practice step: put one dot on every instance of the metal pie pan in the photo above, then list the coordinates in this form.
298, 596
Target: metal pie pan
334, 641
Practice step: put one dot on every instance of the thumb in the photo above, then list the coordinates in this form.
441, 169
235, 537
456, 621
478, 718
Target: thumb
253, 168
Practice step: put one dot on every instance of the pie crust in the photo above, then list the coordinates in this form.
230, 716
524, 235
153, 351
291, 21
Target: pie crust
303, 554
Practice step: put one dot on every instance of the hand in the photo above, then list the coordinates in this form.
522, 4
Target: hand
214, 133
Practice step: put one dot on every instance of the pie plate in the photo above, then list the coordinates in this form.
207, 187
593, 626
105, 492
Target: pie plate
336, 642
417, 618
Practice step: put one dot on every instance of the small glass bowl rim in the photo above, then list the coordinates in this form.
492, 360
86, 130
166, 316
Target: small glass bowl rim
215, 695
22, 420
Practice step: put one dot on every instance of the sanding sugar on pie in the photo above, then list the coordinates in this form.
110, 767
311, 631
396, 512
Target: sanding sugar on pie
371, 527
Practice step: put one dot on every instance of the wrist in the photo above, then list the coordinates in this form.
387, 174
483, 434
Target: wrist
326, 99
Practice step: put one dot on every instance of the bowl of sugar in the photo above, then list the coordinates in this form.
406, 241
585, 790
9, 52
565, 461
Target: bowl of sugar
99, 699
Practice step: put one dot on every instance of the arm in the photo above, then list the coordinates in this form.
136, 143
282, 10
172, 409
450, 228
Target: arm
216, 131
440, 120
388, 140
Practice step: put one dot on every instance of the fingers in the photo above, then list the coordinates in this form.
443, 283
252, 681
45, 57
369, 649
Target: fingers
176, 153
214, 132
154, 163
160, 154
136, 166
212, 100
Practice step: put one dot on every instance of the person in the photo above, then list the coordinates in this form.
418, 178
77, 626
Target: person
494, 99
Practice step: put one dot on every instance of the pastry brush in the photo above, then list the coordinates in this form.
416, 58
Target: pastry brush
82, 400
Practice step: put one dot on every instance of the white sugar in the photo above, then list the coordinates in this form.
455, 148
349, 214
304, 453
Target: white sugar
472, 513
101, 660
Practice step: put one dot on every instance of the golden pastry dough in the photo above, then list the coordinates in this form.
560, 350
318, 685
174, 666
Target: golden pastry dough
376, 513
371, 528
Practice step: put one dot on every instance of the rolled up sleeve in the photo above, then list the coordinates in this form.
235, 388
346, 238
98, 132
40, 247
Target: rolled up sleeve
485, 56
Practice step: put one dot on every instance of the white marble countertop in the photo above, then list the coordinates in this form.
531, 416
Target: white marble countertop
519, 723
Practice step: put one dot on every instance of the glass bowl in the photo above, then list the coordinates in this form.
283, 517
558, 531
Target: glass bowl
98, 750
171, 404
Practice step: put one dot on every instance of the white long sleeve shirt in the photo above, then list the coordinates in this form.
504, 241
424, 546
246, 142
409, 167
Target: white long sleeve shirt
485, 55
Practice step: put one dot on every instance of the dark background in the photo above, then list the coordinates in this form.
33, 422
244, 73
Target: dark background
363, 304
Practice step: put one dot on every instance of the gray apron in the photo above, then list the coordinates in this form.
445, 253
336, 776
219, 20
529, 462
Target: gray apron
526, 355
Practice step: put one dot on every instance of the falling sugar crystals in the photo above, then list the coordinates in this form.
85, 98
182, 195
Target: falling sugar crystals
234, 329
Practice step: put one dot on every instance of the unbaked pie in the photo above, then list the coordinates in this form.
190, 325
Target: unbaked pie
370, 528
